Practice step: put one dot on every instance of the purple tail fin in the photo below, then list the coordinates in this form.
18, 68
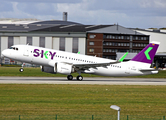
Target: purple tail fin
147, 54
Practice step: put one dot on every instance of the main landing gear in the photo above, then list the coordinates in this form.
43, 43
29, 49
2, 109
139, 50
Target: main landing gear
79, 77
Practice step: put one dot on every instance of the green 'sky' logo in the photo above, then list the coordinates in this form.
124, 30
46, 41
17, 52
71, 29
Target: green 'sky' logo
147, 53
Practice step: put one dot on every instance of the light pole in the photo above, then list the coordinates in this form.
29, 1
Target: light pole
116, 108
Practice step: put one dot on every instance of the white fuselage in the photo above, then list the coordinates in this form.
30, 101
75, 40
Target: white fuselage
47, 57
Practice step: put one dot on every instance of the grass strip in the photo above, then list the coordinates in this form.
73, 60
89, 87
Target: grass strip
25, 99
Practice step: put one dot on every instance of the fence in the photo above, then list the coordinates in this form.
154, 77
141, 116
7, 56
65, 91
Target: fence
79, 117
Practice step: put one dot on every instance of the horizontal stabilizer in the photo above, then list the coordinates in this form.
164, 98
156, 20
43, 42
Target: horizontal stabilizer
147, 69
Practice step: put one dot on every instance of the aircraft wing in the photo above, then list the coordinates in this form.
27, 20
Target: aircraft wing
93, 65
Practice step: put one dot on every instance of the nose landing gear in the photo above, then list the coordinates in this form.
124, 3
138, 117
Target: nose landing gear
21, 69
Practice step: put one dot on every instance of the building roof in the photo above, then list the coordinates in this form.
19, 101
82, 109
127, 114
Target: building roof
21, 27
115, 29
149, 30
56, 22
17, 21
72, 28
66, 26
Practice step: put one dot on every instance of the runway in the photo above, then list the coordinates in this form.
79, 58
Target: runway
97, 81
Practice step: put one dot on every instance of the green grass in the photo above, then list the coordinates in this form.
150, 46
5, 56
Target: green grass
36, 72
23, 99
32, 72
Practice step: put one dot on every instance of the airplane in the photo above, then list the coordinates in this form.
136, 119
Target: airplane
55, 61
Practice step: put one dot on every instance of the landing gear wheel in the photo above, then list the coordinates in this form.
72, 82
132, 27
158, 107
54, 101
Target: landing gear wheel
79, 77
70, 77
21, 69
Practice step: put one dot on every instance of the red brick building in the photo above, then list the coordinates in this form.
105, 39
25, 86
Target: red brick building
106, 42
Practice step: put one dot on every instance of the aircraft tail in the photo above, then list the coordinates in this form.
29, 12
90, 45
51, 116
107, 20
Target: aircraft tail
147, 54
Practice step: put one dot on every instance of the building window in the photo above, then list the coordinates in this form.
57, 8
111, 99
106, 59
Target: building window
128, 38
113, 37
10, 41
142, 38
92, 36
122, 37
75, 45
29, 40
145, 45
62, 44
91, 43
42, 42
91, 50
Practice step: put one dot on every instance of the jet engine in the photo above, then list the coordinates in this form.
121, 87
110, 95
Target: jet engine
62, 68
48, 69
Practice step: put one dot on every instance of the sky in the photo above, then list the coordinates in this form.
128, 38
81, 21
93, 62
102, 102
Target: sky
127, 13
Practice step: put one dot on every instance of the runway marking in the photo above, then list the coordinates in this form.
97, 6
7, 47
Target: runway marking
99, 81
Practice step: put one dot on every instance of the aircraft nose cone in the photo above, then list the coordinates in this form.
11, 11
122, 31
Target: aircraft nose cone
2, 56
4, 53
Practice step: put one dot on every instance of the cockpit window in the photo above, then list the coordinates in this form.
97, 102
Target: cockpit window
14, 48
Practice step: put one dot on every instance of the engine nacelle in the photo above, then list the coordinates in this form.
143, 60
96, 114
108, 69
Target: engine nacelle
61, 68
64, 68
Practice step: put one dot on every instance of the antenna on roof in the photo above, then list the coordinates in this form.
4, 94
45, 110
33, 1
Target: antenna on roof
117, 26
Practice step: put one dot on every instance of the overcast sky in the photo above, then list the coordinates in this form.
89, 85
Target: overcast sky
128, 13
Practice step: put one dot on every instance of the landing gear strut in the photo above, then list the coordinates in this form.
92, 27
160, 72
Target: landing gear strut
70, 77
21, 69
79, 77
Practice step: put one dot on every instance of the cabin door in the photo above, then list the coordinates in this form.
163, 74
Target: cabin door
26, 51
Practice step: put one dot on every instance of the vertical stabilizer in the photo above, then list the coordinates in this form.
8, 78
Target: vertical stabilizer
147, 54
